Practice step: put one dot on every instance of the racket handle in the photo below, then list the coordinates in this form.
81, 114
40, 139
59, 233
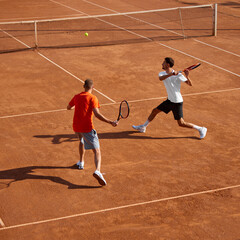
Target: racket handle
183, 70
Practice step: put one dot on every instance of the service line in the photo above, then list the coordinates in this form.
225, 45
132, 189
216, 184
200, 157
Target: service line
116, 103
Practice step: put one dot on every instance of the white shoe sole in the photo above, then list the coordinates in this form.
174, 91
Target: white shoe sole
100, 180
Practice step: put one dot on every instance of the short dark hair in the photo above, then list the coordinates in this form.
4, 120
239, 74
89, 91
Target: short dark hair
88, 83
170, 61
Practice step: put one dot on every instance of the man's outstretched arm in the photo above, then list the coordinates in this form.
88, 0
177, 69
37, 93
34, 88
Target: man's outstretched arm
102, 118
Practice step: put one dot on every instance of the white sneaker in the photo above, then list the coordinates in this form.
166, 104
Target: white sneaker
140, 128
203, 132
100, 178
80, 165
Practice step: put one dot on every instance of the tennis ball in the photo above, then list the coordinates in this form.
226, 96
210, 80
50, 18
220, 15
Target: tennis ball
86, 34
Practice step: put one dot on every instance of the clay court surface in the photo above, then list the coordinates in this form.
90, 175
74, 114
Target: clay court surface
162, 184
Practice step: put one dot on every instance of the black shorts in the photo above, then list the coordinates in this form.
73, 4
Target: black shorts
176, 108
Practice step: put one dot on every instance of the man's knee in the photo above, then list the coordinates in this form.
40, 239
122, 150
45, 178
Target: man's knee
181, 122
155, 111
96, 150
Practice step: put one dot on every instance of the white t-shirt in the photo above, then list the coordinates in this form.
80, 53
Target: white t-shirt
173, 85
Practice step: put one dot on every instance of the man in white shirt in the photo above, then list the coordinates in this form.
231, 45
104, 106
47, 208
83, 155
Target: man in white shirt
172, 81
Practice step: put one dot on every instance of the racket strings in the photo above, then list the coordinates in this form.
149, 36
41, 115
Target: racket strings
124, 110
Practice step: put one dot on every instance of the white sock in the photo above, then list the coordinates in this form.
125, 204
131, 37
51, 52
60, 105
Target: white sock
146, 123
80, 163
197, 127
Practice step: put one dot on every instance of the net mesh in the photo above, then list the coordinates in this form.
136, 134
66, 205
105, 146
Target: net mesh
111, 29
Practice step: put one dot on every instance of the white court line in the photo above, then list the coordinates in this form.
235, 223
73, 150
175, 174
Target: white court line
48, 111
189, 55
2, 223
15, 38
73, 75
120, 207
68, 7
207, 44
34, 113
185, 95
129, 101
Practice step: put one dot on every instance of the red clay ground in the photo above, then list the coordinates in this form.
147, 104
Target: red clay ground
37, 151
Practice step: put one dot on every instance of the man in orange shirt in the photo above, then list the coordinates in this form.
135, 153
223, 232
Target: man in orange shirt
85, 105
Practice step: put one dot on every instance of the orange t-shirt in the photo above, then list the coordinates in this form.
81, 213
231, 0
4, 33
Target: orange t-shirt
83, 116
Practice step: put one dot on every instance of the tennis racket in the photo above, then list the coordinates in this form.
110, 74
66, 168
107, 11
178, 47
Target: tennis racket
123, 110
191, 67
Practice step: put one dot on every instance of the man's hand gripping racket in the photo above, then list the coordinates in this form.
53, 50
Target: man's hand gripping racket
186, 70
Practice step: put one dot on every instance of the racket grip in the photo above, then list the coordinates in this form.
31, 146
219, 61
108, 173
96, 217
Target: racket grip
182, 70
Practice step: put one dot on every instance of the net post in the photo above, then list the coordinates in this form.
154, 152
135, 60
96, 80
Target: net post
180, 15
214, 33
35, 31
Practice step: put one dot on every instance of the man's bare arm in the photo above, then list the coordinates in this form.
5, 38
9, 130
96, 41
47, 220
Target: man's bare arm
102, 118
188, 82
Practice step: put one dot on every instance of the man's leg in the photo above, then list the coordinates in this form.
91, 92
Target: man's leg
81, 153
80, 163
142, 128
182, 123
153, 114
177, 109
97, 174
91, 141
202, 130
97, 158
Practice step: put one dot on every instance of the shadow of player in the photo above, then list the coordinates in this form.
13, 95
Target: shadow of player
24, 173
61, 138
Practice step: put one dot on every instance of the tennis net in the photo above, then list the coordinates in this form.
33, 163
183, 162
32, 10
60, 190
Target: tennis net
109, 29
